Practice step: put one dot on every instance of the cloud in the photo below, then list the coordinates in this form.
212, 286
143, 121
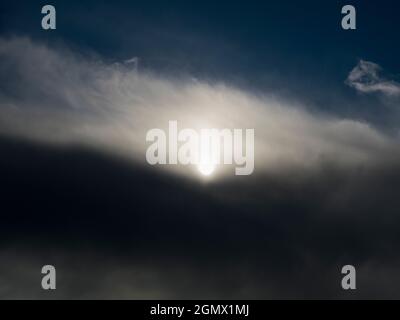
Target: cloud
54, 95
117, 231
324, 192
366, 78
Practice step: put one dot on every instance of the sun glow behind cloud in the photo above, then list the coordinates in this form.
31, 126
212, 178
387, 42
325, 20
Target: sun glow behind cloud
206, 166
111, 106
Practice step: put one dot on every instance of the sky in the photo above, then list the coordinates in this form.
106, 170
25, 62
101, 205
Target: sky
77, 193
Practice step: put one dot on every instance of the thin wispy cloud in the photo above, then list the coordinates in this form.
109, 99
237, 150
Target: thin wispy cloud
366, 78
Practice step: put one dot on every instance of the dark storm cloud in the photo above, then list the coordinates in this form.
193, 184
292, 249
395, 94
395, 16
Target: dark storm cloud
119, 231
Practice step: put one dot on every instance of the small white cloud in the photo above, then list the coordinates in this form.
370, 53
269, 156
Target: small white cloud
365, 78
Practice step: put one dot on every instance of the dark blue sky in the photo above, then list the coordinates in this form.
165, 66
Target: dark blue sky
293, 49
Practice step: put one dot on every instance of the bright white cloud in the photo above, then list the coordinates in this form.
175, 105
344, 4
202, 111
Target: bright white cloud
58, 96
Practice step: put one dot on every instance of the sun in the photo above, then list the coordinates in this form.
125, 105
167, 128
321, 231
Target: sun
206, 165
206, 169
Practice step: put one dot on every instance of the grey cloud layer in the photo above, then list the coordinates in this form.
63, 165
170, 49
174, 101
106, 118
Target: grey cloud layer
114, 231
